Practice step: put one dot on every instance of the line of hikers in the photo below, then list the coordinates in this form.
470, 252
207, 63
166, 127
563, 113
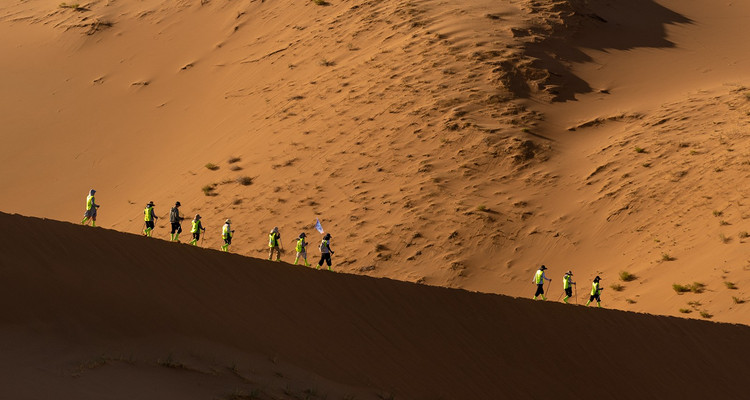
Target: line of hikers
175, 219
539, 278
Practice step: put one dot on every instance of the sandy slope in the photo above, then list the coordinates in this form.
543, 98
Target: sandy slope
434, 140
121, 316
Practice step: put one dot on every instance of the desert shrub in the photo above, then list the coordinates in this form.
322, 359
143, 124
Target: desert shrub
617, 287
630, 301
680, 288
737, 300
685, 310
626, 276
743, 234
209, 190
245, 180
666, 257
697, 287
233, 160
235, 168
320, 2
705, 314
724, 238
481, 207
211, 166
718, 213
639, 149
730, 285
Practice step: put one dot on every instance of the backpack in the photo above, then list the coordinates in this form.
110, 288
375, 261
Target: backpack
174, 215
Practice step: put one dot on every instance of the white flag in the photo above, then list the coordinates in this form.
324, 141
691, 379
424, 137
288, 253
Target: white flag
318, 226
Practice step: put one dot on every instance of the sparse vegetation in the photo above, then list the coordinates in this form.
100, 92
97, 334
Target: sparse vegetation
705, 314
170, 362
730, 285
718, 213
680, 289
723, 223
737, 300
235, 168
211, 166
639, 149
694, 304
73, 6
233, 160
685, 310
666, 257
646, 165
617, 287
320, 2
481, 207
245, 180
327, 63
743, 235
724, 238
697, 287
209, 190
237, 202
626, 276
630, 301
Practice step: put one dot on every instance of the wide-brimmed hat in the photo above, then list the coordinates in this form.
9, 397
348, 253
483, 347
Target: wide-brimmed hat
327, 236
92, 191
150, 203
597, 279
568, 273
542, 268
228, 221
197, 216
177, 204
302, 235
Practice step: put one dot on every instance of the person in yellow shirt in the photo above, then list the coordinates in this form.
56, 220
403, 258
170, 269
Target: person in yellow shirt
568, 286
539, 279
596, 290
91, 208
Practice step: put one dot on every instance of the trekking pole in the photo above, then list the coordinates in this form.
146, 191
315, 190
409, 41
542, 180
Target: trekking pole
558, 297
549, 283
576, 286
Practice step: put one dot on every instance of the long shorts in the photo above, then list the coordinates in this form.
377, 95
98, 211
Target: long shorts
90, 213
228, 240
596, 296
302, 254
150, 224
197, 235
569, 292
539, 290
325, 257
176, 227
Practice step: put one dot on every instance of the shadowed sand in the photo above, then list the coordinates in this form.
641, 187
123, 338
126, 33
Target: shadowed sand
87, 310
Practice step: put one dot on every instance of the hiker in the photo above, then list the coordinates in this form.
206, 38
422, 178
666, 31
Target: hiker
567, 281
595, 292
91, 207
196, 229
149, 217
274, 243
176, 220
325, 251
226, 234
301, 249
539, 279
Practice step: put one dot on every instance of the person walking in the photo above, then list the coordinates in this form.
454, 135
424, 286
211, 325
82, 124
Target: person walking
567, 282
325, 251
595, 292
149, 217
274, 243
91, 207
196, 229
301, 249
539, 279
226, 234
176, 220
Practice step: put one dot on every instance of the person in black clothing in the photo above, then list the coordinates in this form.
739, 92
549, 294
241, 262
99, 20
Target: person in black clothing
176, 220
325, 251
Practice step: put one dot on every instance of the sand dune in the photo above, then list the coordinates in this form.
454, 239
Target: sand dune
456, 145
94, 313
